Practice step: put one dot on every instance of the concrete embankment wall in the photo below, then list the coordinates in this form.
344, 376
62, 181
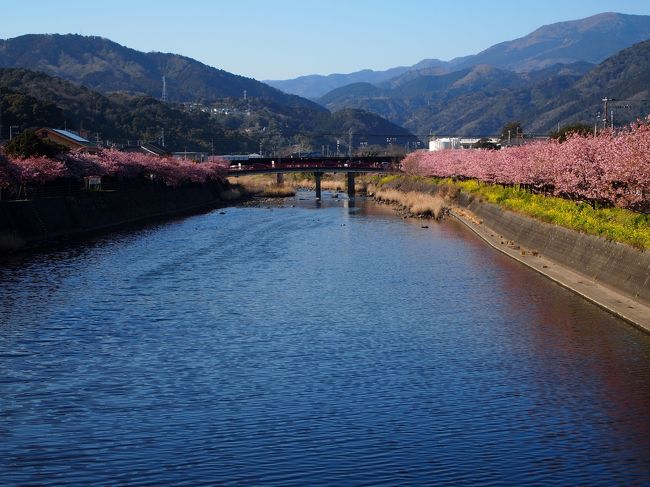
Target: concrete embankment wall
25, 224
612, 264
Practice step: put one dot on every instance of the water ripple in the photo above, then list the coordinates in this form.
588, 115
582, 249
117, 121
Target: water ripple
306, 346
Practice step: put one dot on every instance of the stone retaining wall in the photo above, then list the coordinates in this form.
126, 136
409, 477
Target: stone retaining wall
25, 224
612, 264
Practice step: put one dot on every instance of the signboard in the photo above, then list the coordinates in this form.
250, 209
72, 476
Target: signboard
93, 182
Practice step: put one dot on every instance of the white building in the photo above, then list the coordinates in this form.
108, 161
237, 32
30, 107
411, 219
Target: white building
441, 143
444, 143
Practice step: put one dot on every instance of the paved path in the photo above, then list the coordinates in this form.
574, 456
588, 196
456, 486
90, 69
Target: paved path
613, 301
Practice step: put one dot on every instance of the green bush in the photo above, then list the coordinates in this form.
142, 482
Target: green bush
29, 144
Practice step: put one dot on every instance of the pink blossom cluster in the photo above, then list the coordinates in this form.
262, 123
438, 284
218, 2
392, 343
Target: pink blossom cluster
108, 162
611, 168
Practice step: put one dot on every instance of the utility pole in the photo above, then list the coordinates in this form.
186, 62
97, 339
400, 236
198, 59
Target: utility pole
606, 101
162, 136
350, 144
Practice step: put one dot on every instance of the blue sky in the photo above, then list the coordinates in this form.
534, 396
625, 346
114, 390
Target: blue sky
279, 39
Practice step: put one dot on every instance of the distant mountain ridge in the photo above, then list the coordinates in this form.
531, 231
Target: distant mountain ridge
254, 110
106, 66
478, 101
624, 78
30, 99
315, 85
591, 40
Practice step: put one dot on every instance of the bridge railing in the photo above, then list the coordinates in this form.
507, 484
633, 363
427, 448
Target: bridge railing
297, 165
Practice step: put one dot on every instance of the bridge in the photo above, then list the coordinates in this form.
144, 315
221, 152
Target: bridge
316, 165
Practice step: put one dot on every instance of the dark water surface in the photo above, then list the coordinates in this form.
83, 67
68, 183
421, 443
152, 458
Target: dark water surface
309, 346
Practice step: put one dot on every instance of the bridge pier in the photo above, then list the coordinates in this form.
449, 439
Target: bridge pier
280, 178
350, 188
318, 176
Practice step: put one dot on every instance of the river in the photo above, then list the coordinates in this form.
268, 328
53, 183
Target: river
310, 344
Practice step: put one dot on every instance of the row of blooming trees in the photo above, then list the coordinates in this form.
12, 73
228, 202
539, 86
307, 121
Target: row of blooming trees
612, 168
18, 172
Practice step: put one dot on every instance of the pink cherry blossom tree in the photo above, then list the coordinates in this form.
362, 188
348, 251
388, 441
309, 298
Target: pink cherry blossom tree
612, 168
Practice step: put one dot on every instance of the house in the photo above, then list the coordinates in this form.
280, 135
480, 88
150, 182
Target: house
68, 139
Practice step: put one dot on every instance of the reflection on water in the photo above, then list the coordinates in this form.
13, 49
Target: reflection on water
318, 344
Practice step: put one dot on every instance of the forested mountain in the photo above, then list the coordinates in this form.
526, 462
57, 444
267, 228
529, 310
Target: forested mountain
105, 66
29, 99
480, 100
625, 78
32, 99
590, 40
476, 101
316, 85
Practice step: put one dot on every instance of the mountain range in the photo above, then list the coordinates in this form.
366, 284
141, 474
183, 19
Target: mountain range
480, 100
242, 108
556, 75
589, 40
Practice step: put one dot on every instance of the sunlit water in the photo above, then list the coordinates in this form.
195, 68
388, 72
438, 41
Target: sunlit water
311, 345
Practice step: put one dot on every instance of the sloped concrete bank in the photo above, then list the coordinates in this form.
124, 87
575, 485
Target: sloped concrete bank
35, 223
613, 275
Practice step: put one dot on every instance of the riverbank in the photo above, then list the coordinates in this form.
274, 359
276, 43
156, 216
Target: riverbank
27, 224
611, 274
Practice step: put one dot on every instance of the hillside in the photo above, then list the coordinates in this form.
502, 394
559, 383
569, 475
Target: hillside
105, 66
624, 77
31, 99
472, 102
315, 85
590, 40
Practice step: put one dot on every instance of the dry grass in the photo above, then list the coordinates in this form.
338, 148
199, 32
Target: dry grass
301, 183
419, 204
264, 185
251, 184
325, 184
278, 191
332, 185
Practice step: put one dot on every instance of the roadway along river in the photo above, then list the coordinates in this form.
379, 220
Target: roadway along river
308, 346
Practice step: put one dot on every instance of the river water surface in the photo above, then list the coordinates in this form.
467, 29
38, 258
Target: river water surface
310, 345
